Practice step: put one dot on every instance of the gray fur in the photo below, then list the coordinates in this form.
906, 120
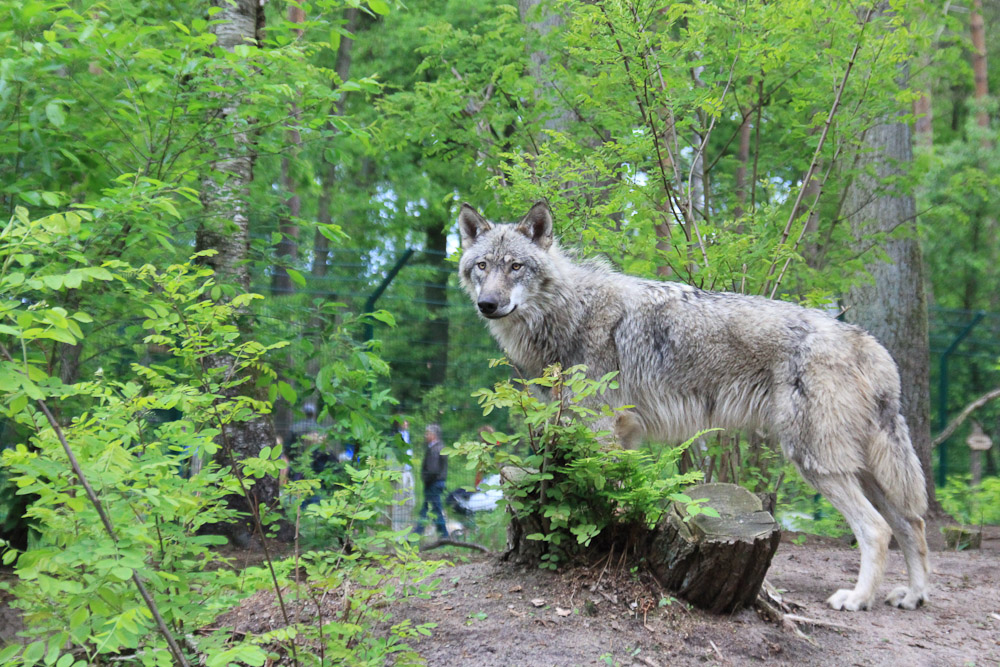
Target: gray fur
690, 359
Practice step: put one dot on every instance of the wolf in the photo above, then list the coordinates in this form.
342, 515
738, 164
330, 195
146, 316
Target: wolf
689, 359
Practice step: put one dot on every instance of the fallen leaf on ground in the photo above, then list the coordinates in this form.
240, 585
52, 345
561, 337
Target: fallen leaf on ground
563, 612
538, 602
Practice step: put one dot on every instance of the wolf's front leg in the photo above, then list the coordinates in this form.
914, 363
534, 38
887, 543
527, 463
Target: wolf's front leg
625, 430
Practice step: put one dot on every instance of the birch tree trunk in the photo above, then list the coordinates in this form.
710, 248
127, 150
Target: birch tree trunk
226, 229
225, 191
893, 304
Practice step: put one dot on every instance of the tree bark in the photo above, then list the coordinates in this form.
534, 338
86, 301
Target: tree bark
892, 305
742, 162
923, 127
436, 296
321, 244
539, 55
225, 198
227, 230
979, 65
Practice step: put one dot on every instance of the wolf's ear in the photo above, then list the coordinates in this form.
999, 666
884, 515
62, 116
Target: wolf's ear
537, 225
471, 226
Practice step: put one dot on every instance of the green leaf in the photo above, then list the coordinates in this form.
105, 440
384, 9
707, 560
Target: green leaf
287, 392
78, 617
384, 316
33, 653
17, 404
296, 277
379, 6
55, 113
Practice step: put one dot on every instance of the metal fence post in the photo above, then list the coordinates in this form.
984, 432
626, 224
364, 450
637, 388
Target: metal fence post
943, 395
370, 303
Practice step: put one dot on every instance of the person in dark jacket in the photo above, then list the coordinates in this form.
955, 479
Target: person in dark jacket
433, 473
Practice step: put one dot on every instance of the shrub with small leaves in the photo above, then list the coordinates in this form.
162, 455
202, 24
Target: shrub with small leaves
563, 484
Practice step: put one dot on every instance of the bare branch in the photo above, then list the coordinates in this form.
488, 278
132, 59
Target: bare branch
447, 542
963, 415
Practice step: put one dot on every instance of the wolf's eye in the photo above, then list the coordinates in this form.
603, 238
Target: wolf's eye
515, 266
482, 266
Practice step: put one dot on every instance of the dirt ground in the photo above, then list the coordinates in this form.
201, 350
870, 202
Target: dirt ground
492, 614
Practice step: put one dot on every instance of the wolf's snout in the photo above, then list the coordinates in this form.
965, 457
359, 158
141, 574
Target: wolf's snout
487, 306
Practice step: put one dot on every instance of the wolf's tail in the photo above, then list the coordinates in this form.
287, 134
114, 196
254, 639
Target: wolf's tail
893, 461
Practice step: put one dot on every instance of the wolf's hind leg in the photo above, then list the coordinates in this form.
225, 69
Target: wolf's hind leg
909, 531
844, 492
917, 565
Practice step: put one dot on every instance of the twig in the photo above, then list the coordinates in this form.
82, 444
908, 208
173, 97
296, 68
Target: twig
606, 563
795, 618
717, 651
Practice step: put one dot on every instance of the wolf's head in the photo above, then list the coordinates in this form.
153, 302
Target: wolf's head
502, 263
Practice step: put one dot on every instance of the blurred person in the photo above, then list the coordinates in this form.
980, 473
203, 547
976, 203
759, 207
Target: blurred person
433, 473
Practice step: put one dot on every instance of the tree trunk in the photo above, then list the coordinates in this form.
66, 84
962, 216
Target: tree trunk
539, 27
226, 230
742, 162
979, 67
321, 244
287, 249
893, 304
923, 127
436, 296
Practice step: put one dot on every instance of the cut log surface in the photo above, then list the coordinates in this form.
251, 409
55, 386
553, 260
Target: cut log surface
716, 563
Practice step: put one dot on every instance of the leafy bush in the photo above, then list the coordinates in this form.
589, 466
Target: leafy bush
119, 569
971, 504
562, 479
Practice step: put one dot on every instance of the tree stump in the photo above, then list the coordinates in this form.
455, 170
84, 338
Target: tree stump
717, 564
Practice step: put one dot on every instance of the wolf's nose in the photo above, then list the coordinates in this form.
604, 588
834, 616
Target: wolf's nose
487, 307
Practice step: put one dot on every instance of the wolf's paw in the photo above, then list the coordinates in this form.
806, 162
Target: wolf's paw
849, 600
905, 597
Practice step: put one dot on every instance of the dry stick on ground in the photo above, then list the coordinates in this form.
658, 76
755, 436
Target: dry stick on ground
446, 542
964, 414
175, 649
